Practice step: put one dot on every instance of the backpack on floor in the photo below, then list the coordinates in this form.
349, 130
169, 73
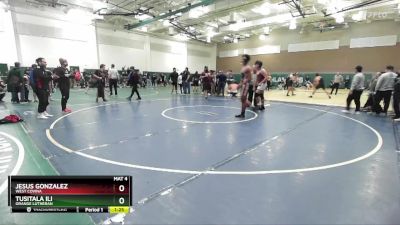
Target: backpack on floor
11, 119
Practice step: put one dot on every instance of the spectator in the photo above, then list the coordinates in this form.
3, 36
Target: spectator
384, 88
14, 82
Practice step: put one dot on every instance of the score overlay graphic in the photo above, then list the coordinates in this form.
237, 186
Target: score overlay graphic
72, 194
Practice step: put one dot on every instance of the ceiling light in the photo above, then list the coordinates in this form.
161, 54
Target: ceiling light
192, 28
293, 24
142, 17
198, 11
171, 31
98, 5
361, 15
262, 37
179, 14
79, 16
339, 18
144, 29
226, 37
235, 40
166, 23
211, 33
264, 9
247, 35
267, 30
182, 37
208, 39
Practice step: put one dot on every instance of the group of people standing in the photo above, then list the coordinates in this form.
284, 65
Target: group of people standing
41, 81
383, 86
253, 82
209, 81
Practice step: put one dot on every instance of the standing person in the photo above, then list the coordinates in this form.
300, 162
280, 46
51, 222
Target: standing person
319, 83
113, 79
185, 81
163, 80
153, 80
32, 82
347, 82
371, 90
384, 88
207, 82
174, 80
72, 79
14, 82
25, 86
269, 79
196, 82
244, 84
42, 81
356, 89
134, 80
100, 77
289, 84
2, 90
221, 78
180, 82
396, 98
260, 85
336, 82
252, 81
62, 75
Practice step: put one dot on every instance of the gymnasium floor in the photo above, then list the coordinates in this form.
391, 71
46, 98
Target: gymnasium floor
193, 163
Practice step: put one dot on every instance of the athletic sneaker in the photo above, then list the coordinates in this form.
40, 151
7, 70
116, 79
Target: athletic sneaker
345, 111
329, 97
45, 113
310, 96
396, 119
129, 99
240, 116
139, 99
41, 116
357, 113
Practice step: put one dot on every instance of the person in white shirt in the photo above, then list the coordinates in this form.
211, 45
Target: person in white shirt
356, 89
383, 90
180, 82
113, 77
336, 83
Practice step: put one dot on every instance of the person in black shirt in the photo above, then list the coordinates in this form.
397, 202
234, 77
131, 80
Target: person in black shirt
174, 79
185, 81
196, 81
153, 79
134, 80
100, 76
62, 75
221, 82
42, 79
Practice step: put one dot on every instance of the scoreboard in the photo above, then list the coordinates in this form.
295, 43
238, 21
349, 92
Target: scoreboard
72, 194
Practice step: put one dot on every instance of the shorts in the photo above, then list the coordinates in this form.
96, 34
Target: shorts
262, 86
322, 86
245, 90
